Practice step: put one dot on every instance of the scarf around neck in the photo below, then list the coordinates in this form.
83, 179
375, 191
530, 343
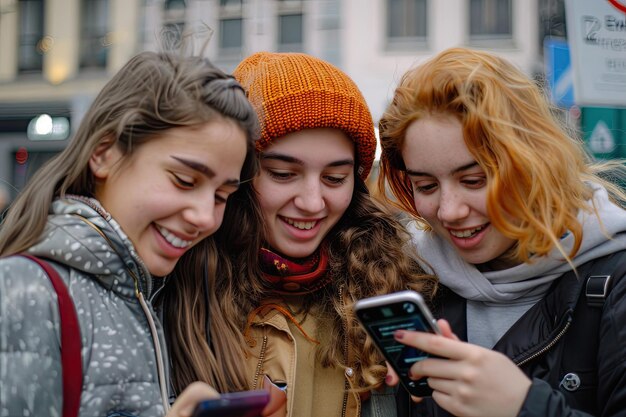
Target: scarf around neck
526, 281
295, 276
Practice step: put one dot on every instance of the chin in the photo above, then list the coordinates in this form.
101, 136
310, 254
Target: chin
160, 270
297, 253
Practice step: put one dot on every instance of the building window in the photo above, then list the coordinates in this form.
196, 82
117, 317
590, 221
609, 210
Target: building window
490, 20
290, 19
406, 24
231, 28
31, 40
95, 36
551, 21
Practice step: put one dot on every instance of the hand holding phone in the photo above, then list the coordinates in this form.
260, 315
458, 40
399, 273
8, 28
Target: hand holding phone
382, 315
234, 404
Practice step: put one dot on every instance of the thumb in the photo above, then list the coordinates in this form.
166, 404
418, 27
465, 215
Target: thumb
189, 399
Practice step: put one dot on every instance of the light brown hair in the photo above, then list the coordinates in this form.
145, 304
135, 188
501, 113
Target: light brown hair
152, 93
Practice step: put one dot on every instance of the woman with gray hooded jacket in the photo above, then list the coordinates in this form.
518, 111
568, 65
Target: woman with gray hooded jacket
131, 200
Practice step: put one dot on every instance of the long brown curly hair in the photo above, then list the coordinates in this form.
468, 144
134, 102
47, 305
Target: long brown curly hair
369, 254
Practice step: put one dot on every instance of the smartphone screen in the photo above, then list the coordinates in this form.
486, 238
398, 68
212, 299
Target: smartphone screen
235, 404
382, 316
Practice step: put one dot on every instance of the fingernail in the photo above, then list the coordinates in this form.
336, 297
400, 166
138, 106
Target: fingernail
399, 334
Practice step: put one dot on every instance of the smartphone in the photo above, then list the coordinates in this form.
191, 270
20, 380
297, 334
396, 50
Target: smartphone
234, 404
382, 315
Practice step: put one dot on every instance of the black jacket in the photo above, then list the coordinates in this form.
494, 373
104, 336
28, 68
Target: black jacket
559, 335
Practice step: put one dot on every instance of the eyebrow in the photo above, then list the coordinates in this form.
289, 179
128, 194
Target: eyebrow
454, 171
204, 170
290, 159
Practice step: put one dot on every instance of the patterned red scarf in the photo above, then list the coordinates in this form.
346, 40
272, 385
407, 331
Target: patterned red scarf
301, 276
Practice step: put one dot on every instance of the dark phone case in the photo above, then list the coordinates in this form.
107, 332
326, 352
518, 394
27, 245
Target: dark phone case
419, 388
234, 404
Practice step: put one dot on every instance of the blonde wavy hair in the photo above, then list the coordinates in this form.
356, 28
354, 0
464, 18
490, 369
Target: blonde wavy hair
537, 171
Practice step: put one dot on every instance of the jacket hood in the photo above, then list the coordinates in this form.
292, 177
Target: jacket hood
82, 235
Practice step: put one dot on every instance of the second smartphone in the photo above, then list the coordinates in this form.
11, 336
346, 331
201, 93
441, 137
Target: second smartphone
382, 315
234, 404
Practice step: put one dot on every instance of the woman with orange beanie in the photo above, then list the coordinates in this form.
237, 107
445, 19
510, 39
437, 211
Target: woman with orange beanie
325, 244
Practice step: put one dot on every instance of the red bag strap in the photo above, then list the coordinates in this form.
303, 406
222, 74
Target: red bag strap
71, 344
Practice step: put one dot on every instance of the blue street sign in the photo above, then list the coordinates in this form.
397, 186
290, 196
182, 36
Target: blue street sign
559, 72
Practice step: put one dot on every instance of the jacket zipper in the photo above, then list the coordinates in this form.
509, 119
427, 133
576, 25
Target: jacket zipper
146, 311
259, 366
157, 350
346, 385
547, 347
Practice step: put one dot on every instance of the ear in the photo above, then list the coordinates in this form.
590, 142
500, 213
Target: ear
104, 157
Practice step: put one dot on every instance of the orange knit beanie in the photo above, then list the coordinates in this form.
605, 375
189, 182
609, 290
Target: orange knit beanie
293, 92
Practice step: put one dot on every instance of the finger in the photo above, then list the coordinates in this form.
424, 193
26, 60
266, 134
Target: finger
190, 397
434, 344
442, 385
446, 330
278, 399
437, 368
445, 401
416, 399
392, 378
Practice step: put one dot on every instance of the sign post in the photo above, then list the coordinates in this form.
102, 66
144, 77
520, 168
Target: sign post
559, 72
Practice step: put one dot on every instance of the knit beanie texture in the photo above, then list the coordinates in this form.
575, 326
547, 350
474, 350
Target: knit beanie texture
293, 91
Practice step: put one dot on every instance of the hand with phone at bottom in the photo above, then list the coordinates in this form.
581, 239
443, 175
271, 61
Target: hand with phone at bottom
190, 397
269, 401
187, 402
471, 381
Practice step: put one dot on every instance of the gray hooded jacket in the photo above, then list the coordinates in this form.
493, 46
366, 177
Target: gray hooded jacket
123, 355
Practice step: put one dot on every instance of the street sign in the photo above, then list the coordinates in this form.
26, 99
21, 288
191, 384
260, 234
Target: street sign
604, 131
601, 139
621, 5
558, 70
597, 40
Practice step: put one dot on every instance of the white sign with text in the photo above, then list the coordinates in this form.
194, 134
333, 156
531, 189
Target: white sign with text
596, 32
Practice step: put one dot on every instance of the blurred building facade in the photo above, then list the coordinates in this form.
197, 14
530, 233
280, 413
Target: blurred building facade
55, 55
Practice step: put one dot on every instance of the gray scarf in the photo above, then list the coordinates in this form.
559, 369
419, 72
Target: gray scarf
527, 281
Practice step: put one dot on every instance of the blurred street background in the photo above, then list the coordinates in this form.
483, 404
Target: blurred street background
55, 55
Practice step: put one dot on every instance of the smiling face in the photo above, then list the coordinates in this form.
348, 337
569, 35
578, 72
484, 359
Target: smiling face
305, 186
450, 188
170, 193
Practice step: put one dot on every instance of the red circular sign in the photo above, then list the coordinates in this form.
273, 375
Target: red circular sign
21, 156
620, 4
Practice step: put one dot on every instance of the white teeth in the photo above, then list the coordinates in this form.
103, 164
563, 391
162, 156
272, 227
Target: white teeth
173, 240
466, 233
300, 225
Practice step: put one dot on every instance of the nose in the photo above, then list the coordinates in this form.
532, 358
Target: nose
452, 206
310, 197
201, 214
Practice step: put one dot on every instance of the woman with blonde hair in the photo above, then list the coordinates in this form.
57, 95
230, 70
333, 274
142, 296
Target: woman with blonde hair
512, 216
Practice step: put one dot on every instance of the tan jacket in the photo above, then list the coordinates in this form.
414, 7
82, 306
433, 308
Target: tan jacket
273, 353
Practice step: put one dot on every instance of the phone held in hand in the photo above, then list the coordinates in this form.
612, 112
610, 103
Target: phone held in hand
382, 315
234, 404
